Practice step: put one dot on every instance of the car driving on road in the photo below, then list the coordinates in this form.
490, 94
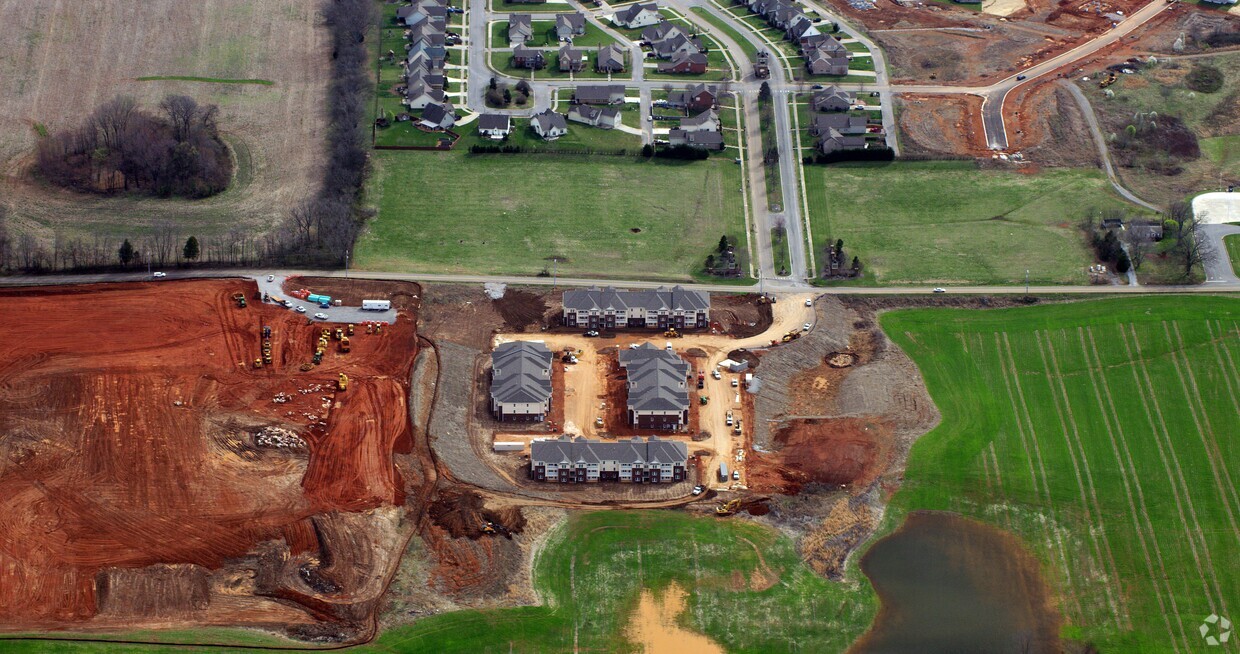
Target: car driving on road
320, 316
159, 274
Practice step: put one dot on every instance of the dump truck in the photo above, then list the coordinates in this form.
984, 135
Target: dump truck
344, 345
342, 383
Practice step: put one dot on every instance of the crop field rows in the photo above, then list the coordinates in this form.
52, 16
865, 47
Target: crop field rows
1101, 440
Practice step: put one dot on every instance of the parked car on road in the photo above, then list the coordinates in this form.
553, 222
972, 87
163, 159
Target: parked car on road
320, 316
940, 290
301, 309
590, 334
699, 489
159, 274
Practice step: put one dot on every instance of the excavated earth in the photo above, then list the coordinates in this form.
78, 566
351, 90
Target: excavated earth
136, 490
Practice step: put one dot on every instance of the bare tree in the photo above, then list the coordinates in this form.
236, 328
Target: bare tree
1193, 246
5, 245
1138, 248
181, 112
164, 241
112, 118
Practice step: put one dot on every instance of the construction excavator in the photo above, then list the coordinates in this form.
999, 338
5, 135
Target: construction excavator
728, 508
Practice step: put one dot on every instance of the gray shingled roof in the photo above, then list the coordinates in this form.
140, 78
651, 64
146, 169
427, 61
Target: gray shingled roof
598, 92
656, 379
494, 121
521, 372
677, 298
568, 450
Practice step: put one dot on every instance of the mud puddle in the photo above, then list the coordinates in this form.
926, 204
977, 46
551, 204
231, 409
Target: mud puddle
949, 584
653, 626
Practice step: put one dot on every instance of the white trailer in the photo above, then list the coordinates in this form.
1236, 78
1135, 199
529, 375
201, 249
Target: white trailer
508, 446
376, 305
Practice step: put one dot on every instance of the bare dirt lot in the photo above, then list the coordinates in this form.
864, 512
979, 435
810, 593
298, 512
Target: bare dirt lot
135, 431
64, 59
941, 124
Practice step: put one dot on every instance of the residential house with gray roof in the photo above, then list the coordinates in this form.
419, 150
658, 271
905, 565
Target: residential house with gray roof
604, 117
638, 15
520, 29
549, 125
611, 59
569, 25
657, 386
703, 140
832, 98
599, 94
521, 382
660, 308
571, 60
569, 460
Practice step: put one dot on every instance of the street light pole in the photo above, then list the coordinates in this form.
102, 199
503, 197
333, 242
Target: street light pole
1026, 282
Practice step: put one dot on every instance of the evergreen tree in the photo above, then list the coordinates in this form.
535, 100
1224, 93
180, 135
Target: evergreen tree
125, 253
723, 244
190, 251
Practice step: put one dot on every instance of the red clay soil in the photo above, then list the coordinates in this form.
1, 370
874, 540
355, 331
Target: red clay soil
127, 411
943, 124
836, 452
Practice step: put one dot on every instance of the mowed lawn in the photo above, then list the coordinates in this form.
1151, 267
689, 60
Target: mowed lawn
592, 571
950, 223
1233, 251
1104, 434
511, 214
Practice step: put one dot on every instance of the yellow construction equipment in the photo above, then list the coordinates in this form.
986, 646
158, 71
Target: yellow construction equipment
370, 329
326, 333
728, 508
258, 363
338, 334
488, 528
672, 333
342, 383
349, 331
344, 344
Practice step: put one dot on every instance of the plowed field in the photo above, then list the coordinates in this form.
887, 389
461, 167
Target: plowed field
127, 422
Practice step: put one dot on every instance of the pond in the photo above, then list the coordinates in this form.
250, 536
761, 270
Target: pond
949, 584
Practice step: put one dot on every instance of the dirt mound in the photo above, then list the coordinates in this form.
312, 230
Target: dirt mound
740, 316
835, 452
520, 309
462, 515
745, 356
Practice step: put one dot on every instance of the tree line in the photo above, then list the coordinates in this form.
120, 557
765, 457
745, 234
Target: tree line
121, 147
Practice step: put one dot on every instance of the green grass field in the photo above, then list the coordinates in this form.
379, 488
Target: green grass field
1103, 434
212, 80
751, 51
951, 223
594, 567
494, 214
1233, 251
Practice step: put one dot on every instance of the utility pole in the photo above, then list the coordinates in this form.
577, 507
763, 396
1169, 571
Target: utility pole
1026, 282
555, 271
346, 265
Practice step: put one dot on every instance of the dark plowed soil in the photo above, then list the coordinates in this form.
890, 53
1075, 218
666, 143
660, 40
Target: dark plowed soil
521, 309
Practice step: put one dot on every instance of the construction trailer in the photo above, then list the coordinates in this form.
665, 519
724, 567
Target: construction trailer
723, 472
508, 446
376, 305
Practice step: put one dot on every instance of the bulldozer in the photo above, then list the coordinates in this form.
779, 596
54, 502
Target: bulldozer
344, 345
728, 508
349, 329
338, 334
672, 333
342, 383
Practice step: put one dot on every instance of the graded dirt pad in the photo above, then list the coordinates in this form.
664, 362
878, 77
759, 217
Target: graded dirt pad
942, 124
64, 59
128, 415
461, 514
521, 310
1046, 123
460, 314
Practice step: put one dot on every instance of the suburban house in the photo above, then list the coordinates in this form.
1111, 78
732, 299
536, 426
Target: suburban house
1146, 230
520, 29
657, 386
687, 63
668, 40
549, 125
611, 308
703, 140
604, 117
494, 126
571, 60
818, 62
528, 58
421, 76
832, 141
417, 96
610, 59
421, 12
642, 14
831, 98
696, 98
438, 116
569, 460
842, 123
830, 46
569, 25
599, 94
521, 382
707, 121
802, 29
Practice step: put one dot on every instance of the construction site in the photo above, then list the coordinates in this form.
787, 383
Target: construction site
210, 456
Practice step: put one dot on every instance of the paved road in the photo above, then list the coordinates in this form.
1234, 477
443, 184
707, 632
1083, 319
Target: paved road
782, 288
1092, 120
1218, 267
